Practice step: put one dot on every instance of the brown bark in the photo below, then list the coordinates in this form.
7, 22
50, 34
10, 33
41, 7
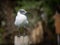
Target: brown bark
57, 22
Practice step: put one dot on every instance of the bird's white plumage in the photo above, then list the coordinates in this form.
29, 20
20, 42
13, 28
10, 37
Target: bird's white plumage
21, 19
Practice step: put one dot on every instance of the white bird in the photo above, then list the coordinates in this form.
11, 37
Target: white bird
21, 18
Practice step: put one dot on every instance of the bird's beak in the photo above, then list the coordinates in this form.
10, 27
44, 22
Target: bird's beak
28, 13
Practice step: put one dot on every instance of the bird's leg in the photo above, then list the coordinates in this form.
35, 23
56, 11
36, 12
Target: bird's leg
24, 30
18, 32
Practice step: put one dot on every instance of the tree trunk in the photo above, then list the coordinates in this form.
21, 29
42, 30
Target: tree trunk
9, 28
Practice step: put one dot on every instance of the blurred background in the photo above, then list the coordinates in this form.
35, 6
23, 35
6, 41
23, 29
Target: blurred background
41, 11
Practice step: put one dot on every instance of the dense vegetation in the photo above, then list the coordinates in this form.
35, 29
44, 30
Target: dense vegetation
9, 8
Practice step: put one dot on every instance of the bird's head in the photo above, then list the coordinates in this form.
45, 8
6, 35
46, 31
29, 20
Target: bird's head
22, 11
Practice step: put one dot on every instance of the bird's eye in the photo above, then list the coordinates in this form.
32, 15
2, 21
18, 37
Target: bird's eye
22, 12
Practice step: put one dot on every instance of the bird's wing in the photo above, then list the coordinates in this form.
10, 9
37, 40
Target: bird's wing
24, 18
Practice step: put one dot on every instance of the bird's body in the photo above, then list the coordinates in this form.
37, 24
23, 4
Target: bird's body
21, 20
